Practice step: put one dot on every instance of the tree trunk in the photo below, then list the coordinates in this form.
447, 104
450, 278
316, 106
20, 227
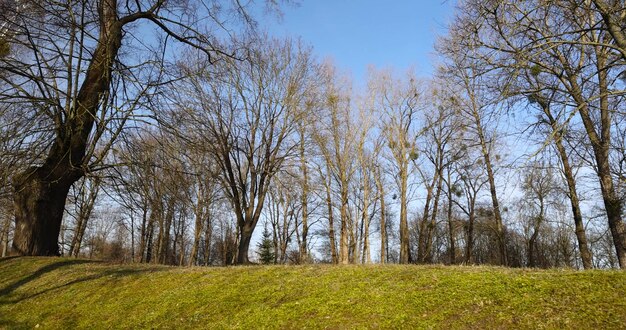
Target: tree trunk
198, 228
422, 235
344, 256
149, 239
208, 233
405, 252
428, 255
494, 197
450, 222
532, 242
383, 233
244, 244
581, 236
331, 224
304, 249
367, 259
40, 192
469, 248
5, 236
39, 207
84, 214
601, 144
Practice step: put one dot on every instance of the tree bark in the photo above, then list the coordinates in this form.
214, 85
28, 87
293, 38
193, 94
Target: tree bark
450, 221
469, 248
331, 222
433, 222
344, 256
304, 249
405, 252
245, 233
39, 206
423, 226
383, 232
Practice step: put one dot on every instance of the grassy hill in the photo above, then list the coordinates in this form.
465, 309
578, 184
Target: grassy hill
68, 293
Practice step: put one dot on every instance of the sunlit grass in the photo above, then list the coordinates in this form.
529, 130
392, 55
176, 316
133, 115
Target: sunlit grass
67, 293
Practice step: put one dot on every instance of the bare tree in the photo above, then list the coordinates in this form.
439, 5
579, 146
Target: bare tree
68, 73
398, 102
249, 110
568, 42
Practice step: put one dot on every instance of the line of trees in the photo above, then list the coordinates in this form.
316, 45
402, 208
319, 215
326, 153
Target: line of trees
117, 147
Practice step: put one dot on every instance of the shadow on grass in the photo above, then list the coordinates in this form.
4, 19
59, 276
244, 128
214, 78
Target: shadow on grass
3, 259
38, 273
110, 273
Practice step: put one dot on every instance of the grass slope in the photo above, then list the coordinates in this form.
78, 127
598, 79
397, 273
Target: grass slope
69, 293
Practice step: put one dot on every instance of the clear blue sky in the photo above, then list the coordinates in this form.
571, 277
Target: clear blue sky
356, 33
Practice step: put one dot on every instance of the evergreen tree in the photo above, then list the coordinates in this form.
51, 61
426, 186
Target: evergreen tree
266, 249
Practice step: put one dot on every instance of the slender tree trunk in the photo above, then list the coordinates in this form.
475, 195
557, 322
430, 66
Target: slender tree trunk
149, 241
423, 226
450, 222
344, 256
383, 232
331, 223
581, 236
304, 249
84, 214
600, 144
198, 229
612, 202
144, 234
494, 195
367, 259
469, 248
433, 221
165, 226
208, 234
5, 236
405, 252
132, 237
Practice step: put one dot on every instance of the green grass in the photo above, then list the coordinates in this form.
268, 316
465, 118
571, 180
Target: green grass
67, 293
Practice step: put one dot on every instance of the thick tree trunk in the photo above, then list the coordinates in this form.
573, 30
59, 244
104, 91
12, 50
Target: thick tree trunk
40, 192
39, 207
244, 245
